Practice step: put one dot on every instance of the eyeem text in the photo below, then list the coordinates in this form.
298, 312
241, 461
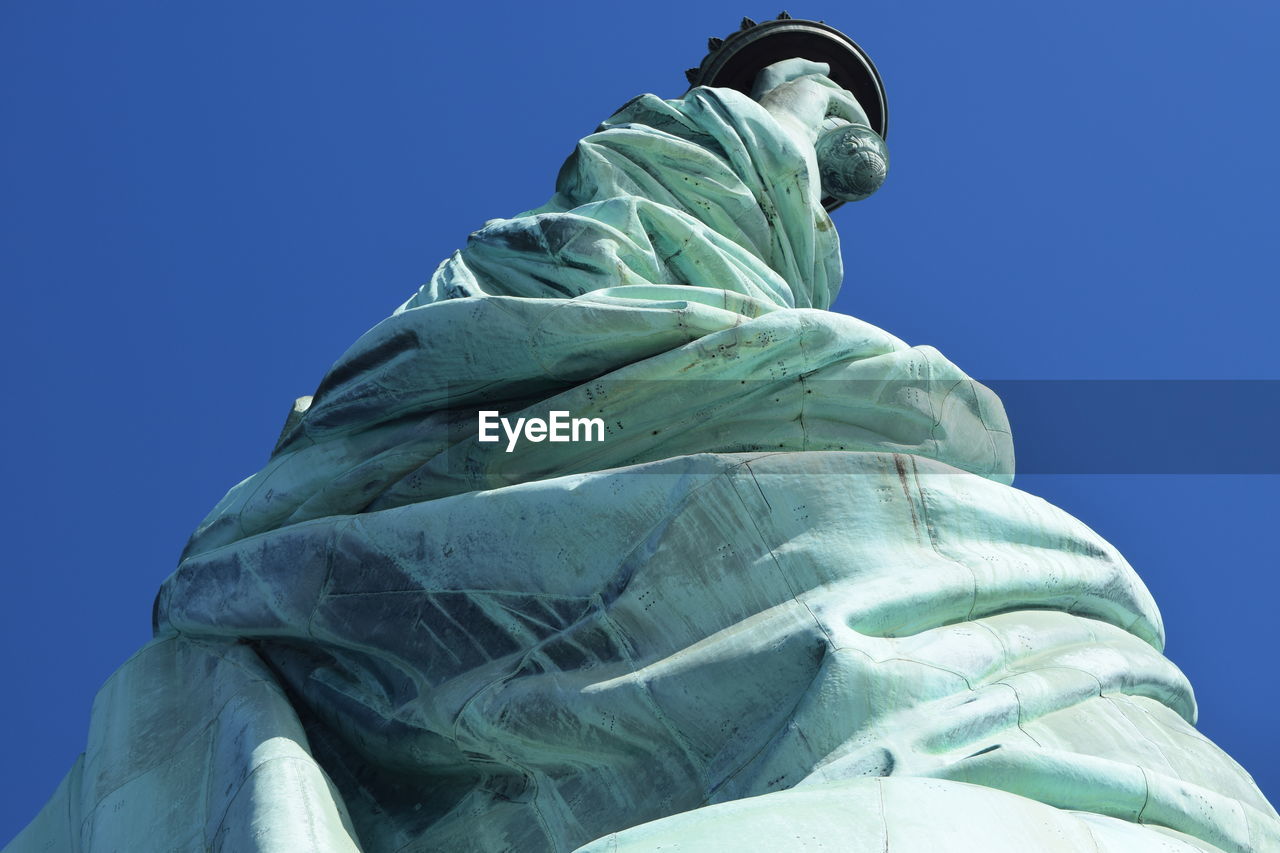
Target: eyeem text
558, 427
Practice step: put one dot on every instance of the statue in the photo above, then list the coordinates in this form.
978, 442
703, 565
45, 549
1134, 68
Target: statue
778, 592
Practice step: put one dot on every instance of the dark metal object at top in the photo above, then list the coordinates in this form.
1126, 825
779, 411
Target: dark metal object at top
734, 61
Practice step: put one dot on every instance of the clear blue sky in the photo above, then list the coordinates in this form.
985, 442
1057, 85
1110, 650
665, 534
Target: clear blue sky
204, 204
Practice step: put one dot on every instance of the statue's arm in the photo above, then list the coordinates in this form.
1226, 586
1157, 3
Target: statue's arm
799, 95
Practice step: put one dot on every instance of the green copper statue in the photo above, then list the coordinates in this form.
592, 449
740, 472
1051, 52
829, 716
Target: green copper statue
788, 600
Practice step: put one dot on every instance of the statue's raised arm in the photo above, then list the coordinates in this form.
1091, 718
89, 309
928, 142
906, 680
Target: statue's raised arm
715, 189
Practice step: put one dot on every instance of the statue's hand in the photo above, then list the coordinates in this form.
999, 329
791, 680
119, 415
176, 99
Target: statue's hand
800, 95
851, 157
785, 71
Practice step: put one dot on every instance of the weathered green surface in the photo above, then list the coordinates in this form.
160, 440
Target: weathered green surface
791, 602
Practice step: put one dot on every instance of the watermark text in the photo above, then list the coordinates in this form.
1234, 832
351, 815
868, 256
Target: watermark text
558, 426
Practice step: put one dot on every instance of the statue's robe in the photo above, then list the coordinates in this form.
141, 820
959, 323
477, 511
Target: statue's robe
791, 602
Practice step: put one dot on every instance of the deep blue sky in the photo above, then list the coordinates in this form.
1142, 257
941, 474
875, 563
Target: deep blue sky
204, 204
